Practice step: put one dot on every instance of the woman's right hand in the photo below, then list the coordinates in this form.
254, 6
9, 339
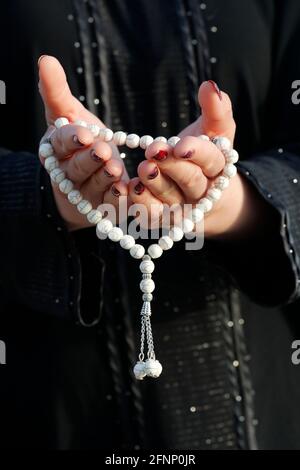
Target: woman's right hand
94, 166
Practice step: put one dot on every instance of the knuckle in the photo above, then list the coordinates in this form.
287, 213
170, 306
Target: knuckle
97, 179
57, 141
78, 166
190, 180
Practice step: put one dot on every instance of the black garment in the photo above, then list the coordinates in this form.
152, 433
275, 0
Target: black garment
73, 389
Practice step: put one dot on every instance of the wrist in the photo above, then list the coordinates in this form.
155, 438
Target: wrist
232, 214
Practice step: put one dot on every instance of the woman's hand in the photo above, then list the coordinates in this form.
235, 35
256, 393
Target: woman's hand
183, 174
92, 165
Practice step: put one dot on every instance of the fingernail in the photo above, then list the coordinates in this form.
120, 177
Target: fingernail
216, 88
161, 155
139, 188
115, 191
40, 59
154, 174
188, 155
77, 141
108, 174
96, 157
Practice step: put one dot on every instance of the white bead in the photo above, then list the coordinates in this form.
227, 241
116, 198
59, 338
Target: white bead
176, 234
102, 133
165, 243
161, 139
222, 143
61, 122
230, 170
147, 297
197, 215
66, 186
57, 175
132, 141
120, 138
145, 141
204, 137
84, 207
137, 251
173, 141
153, 368
80, 123
94, 217
75, 197
94, 129
155, 251
127, 242
51, 163
147, 286
139, 370
104, 226
221, 182
147, 266
187, 226
46, 150
214, 194
205, 205
116, 234
232, 156
106, 134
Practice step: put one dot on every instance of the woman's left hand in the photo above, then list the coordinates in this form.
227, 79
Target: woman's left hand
182, 175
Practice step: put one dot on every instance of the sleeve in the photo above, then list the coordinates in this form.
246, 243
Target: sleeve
43, 267
267, 268
40, 267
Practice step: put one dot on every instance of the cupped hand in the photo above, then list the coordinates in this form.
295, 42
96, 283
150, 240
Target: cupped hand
183, 174
94, 166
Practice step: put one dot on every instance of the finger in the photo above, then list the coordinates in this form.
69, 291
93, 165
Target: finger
139, 194
187, 175
217, 116
203, 153
68, 139
55, 91
160, 185
114, 196
84, 163
103, 179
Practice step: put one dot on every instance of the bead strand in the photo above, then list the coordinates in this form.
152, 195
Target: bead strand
150, 367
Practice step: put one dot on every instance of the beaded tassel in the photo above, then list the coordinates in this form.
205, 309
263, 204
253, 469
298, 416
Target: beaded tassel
151, 367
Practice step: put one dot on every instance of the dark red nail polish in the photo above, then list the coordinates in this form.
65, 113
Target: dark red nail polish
115, 191
161, 155
154, 174
96, 157
216, 88
188, 155
139, 188
77, 141
108, 174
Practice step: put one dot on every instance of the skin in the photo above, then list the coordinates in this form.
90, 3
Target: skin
182, 177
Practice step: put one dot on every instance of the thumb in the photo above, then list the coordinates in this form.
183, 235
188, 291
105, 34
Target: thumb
55, 91
217, 117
